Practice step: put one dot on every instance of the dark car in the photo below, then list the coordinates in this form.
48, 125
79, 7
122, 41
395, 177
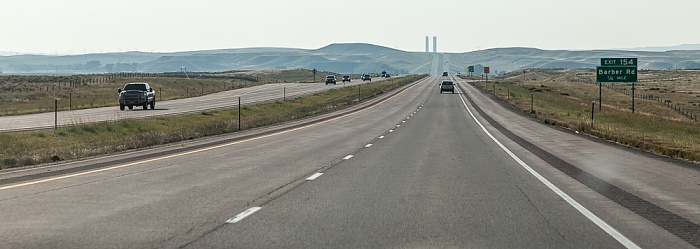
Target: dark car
330, 79
444, 73
137, 94
366, 77
447, 86
346, 78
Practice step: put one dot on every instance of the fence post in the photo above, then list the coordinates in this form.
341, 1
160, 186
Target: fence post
239, 113
592, 112
55, 114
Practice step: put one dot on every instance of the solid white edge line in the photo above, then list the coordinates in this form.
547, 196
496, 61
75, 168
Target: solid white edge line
242, 216
314, 176
592, 217
347, 157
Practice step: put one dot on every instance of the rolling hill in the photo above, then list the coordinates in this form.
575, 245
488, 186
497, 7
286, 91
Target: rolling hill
341, 58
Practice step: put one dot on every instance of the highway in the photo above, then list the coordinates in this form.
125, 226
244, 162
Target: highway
415, 169
221, 100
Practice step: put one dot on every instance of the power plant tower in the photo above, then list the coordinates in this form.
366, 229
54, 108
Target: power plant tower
434, 44
427, 45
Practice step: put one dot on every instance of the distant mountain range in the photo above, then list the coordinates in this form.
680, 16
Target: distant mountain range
340, 58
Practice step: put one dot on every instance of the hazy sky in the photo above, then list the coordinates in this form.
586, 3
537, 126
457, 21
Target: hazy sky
87, 26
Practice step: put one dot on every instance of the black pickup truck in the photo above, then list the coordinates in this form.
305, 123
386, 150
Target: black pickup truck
137, 94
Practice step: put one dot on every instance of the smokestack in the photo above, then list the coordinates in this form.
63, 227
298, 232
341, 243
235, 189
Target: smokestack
427, 44
434, 44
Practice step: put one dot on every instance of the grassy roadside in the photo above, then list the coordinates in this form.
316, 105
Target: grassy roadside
20, 95
80, 141
653, 127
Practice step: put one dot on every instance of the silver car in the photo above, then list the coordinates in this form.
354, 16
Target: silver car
447, 86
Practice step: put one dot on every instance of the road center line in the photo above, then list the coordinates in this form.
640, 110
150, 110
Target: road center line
314, 176
242, 216
588, 214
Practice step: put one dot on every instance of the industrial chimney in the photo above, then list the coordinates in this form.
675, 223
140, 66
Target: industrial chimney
434, 44
427, 44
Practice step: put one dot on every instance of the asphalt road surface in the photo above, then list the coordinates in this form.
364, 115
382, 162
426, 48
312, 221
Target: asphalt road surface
419, 169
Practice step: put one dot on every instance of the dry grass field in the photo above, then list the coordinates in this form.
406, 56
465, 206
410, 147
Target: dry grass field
21, 95
665, 119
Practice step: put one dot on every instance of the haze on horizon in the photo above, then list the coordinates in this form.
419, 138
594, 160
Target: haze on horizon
84, 26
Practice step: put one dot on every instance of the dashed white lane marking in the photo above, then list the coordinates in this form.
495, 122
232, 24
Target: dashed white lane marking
314, 176
347, 157
380, 137
583, 210
368, 145
398, 125
242, 216
391, 130
403, 121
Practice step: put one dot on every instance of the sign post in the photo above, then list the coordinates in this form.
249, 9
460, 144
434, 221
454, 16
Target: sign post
616, 70
487, 70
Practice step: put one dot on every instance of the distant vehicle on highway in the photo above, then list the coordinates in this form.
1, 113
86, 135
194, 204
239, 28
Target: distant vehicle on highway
330, 79
444, 73
366, 77
346, 78
383, 74
137, 94
387, 76
447, 86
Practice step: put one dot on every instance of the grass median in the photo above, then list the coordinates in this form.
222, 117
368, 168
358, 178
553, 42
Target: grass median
80, 141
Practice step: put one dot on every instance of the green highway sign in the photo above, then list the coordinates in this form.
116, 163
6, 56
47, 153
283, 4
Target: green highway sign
470, 69
618, 62
616, 74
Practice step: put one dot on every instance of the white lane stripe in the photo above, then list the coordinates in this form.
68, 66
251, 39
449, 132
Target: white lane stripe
592, 217
398, 125
368, 145
380, 137
242, 216
347, 157
314, 176
391, 130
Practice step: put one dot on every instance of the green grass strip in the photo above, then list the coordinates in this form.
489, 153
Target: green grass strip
80, 141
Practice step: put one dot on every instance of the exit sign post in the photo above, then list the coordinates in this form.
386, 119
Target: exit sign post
616, 70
